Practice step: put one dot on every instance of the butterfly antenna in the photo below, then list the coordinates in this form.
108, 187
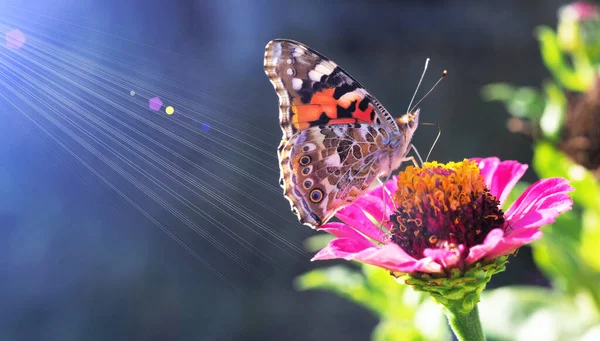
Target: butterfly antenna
418, 85
436, 138
430, 90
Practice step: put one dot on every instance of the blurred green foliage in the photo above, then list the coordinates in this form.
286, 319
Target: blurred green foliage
569, 253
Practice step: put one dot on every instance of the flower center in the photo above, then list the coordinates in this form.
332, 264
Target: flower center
443, 206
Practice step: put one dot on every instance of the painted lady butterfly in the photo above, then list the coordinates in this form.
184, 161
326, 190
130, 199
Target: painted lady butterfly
337, 138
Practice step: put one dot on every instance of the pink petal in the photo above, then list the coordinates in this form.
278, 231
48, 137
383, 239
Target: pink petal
544, 212
340, 230
491, 241
487, 167
501, 177
391, 185
447, 258
343, 248
354, 216
540, 204
389, 256
393, 258
511, 243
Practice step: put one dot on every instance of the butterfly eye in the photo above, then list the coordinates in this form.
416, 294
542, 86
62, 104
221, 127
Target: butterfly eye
306, 170
305, 160
307, 184
316, 195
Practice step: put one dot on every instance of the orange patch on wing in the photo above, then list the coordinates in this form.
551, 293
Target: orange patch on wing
324, 97
308, 112
363, 116
321, 102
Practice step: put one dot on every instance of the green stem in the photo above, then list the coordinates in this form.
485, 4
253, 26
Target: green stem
466, 327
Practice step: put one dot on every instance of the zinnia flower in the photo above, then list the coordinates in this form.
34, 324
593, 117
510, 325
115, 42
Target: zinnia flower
445, 221
443, 230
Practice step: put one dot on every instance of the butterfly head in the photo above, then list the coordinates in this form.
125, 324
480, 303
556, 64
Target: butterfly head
408, 122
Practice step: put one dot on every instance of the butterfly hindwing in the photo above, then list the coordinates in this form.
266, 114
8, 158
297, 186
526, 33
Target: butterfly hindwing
326, 167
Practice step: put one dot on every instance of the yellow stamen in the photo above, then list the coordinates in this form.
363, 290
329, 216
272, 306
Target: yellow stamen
453, 184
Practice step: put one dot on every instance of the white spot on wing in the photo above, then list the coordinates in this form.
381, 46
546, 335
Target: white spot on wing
349, 97
289, 71
296, 83
315, 75
332, 161
323, 69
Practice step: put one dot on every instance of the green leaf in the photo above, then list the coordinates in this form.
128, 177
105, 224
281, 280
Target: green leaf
553, 117
522, 102
556, 253
431, 321
317, 242
346, 283
590, 239
393, 330
554, 60
550, 162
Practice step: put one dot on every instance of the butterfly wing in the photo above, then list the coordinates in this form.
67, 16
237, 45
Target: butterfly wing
314, 90
334, 131
325, 168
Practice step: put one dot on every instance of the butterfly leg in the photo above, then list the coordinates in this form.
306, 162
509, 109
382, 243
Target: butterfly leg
385, 193
412, 158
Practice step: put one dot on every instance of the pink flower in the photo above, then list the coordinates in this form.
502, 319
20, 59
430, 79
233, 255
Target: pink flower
444, 217
579, 11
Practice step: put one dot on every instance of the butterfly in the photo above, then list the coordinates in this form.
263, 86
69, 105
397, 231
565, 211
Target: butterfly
337, 138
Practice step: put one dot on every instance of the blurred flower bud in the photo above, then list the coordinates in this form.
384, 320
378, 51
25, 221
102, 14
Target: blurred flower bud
579, 29
579, 11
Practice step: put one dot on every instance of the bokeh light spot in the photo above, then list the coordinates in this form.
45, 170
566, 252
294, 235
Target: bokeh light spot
169, 110
155, 103
132, 93
15, 39
205, 127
